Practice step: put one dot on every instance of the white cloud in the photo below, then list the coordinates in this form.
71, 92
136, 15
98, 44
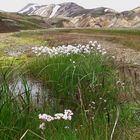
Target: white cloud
119, 5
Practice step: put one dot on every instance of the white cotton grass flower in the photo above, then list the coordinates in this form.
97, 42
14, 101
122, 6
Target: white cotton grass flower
93, 45
67, 115
113, 57
104, 52
105, 101
93, 102
42, 126
87, 111
45, 117
100, 98
90, 42
99, 45
73, 62
69, 112
66, 127
69, 49
95, 42
58, 116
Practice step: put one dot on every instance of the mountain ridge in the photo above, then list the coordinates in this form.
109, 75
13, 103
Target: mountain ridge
67, 15
78, 16
66, 9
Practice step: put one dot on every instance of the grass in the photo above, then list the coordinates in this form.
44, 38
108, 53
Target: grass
62, 70
16, 112
129, 38
86, 84
104, 30
12, 42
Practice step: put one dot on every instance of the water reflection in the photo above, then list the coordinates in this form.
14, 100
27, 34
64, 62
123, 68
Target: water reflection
36, 90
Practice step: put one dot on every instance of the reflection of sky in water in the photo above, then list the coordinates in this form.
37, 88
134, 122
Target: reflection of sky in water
35, 88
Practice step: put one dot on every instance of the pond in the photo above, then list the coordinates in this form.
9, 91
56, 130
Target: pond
36, 90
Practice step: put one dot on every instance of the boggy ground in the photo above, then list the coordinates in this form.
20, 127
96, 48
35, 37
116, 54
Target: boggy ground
127, 58
124, 45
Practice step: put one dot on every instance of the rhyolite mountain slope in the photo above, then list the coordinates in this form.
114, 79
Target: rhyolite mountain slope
68, 9
67, 15
70, 14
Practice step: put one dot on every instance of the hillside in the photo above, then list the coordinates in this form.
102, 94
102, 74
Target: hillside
67, 15
78, 16
68, 9
11, 22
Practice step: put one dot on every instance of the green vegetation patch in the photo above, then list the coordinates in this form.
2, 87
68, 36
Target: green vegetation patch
88, 84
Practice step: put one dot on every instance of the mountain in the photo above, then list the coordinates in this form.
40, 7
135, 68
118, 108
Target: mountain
28, 9
52, 10
137, 10
70, 14
67, 15
67, 9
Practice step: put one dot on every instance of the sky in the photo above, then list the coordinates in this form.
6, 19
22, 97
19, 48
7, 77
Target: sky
118, 5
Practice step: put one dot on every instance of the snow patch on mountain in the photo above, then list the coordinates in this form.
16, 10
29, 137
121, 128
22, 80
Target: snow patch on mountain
72, 15
29, 8
55, 9
41, 11
106, 10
